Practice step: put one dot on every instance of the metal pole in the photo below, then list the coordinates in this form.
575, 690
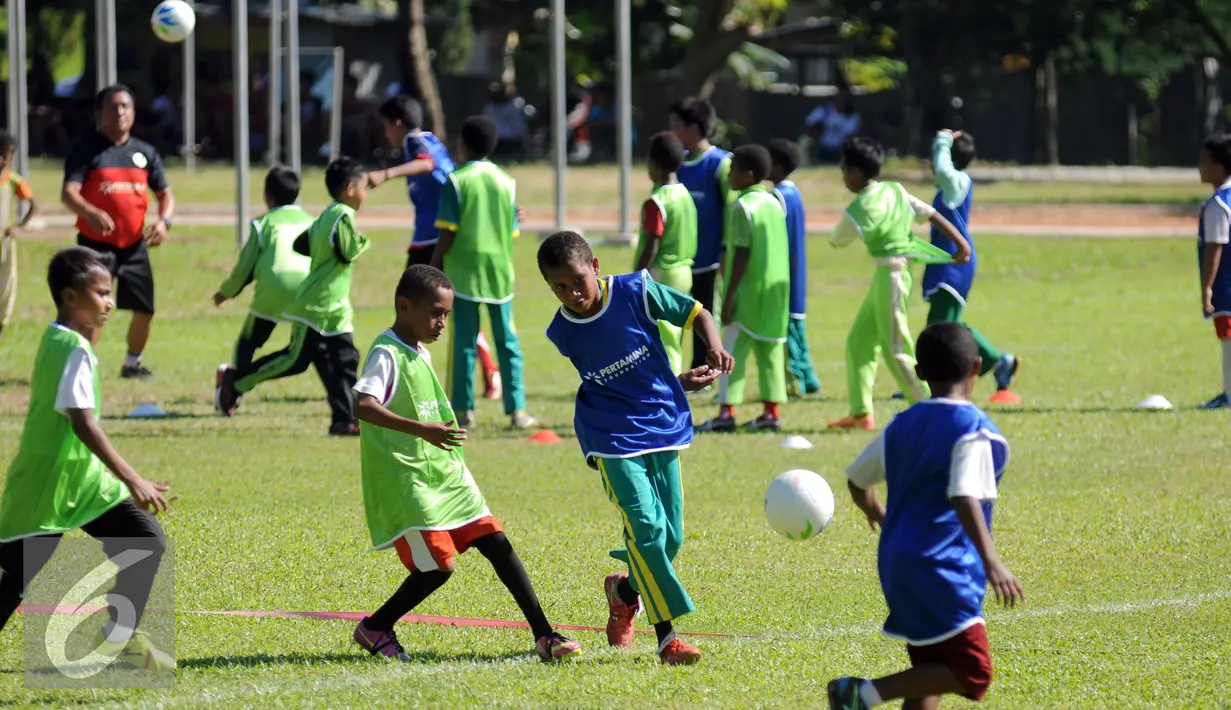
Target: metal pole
108, 18
239, 41
624, 111
335, 116
293, 109
19, 106
274, 129
559, 130
100, 45
190, 101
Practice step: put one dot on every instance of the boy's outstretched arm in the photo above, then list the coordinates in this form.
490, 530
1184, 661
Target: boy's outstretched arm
946, 227
147, 495
242, 274
421, 165
970, 511
1211, 258
865, 472
865, 499
439, 434
718, 357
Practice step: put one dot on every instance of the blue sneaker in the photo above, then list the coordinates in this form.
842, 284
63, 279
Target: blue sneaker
1006, 370
1219, 402
844, 694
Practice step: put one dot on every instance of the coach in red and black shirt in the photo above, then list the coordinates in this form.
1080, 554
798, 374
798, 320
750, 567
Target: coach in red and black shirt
108, 178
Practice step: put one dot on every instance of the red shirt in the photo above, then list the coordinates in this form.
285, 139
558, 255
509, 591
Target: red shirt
116, 179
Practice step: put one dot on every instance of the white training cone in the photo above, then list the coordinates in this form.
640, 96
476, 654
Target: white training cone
796, 442
1157, 402
147, 411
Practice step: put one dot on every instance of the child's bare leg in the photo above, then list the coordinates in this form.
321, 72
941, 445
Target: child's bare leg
920, 684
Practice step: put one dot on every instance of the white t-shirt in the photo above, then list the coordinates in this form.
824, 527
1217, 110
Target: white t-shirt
972, 470
76, 390
379, 375
1216, 219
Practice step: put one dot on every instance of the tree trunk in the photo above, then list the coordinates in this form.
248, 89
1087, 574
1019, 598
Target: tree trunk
424, 76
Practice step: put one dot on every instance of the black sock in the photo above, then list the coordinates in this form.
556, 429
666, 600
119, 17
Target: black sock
417, 587
665, 632
628, 595
499, 552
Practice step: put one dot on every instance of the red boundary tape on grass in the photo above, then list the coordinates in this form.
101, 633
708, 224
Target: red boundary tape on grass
459, 621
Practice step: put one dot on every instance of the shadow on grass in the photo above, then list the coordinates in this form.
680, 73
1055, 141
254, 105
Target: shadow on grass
169, 415
358, 657
1010, 411
14, 382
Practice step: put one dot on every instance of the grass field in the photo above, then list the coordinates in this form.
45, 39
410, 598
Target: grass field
1115, 520
597, 188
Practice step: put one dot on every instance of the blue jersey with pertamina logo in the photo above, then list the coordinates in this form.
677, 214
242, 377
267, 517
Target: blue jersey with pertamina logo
424, 190
630, 402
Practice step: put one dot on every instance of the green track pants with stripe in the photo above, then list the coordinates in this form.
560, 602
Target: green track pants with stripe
646, 489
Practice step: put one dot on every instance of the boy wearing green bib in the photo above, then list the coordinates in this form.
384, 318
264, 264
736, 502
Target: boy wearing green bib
881, 216
66, 475
478, 223
321, 316
268, 260
756, 305
667, 242
418, 495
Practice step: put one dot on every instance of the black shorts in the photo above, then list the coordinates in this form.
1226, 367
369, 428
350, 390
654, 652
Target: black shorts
134, 290
420, 255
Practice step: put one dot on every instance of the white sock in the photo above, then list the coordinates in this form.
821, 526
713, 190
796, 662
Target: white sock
132, 360
869, 695
1226, 368
116, 633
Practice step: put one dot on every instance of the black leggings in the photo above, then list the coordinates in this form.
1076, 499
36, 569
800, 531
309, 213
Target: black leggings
117, 529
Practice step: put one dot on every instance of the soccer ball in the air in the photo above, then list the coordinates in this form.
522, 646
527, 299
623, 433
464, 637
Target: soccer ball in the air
173, 20
798, 504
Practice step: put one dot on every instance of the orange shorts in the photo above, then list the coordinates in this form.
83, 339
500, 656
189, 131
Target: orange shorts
1222, 327
429, 550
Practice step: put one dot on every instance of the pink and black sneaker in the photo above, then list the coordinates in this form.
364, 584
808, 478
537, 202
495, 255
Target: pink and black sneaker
380, 643
620, 616
555, 647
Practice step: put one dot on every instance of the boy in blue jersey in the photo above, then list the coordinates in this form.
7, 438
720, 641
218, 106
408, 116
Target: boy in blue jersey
704, 173
426, 167
632, 419
941, 460
801, 377
947, 286
1213, 234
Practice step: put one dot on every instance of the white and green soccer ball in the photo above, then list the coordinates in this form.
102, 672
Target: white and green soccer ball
173, 20
798, 504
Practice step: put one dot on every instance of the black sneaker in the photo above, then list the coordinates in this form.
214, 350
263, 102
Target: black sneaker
719, 425
764, 423
226, 399
136, 372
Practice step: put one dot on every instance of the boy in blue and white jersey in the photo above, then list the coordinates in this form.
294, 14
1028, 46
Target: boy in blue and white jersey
704, 173
942, 460
1213, 234
632, 419
947, 286
426, 167
801, 377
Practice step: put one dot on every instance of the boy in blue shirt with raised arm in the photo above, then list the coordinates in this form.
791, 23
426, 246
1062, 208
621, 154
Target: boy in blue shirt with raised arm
947, 286
941, 460
632, 419
801, 377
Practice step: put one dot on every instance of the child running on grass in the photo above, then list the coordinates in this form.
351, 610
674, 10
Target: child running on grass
1213, 234
801, 377
632, 419
13, 191
322, 318
668, 240
418, 495
757, 282
881, 217
942, 460
269, 261
426, 166
66, 475
704, 173
947, 286
478, 223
